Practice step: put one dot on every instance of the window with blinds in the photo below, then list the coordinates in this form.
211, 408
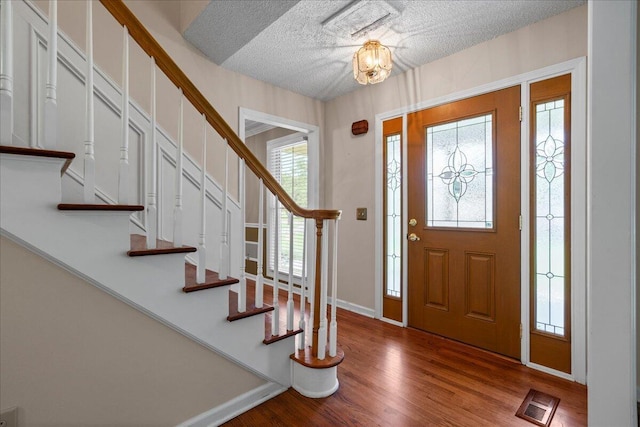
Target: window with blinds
288, 163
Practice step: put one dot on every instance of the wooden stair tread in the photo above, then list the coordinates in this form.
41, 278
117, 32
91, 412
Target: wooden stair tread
306, 358
211, 280
27, 151
252, 310
98, 207
139, 247
284, 333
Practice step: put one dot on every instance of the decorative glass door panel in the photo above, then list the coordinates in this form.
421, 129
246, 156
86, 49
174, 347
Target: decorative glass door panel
459, 159
393, 216
392, 222
549, 212
550, 176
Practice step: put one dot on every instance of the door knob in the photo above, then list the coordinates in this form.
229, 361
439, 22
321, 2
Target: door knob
413, 237
413, 222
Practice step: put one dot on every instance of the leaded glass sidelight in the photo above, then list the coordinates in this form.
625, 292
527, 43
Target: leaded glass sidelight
393, 215
549, 210
459, 159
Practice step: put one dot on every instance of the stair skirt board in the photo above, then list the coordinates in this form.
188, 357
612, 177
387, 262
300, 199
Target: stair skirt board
15, 239
236, 406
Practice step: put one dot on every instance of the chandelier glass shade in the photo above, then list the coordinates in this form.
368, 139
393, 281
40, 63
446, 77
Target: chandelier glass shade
372, 63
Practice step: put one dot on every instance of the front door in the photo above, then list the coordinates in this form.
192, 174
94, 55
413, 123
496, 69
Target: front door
464, 220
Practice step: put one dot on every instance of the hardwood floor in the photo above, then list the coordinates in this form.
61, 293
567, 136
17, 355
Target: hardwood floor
394, 376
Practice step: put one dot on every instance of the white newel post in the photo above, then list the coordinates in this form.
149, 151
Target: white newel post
275, 321
333, 328
242, 294
259, 272
123, 173
177, 210
152, 209
290, 284
6, 74
202, 249
322, 329
224, 235
89, 159
303, 284
50, 125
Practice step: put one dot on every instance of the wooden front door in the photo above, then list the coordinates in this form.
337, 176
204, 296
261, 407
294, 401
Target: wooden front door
464, 220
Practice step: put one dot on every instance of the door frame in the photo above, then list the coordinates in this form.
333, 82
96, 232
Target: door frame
578, 69
312, 132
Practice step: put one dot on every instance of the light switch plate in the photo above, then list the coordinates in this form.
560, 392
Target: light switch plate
9, 417
361, 214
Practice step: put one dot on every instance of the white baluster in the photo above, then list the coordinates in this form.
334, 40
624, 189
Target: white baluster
123, 175
89, 159
303, 284
312, 287
322, 329
333, 328
260, 273
6, 75
202, 249
152, 209
224, 236
275, 323
177, 210
242, 294
50, 125
290, 289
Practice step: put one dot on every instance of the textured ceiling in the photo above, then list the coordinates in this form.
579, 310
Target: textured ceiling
307, 46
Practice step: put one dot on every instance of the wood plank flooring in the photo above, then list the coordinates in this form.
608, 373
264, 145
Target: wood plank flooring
394, 376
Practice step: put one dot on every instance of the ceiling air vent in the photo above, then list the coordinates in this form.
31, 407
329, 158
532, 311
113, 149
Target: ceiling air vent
359, 18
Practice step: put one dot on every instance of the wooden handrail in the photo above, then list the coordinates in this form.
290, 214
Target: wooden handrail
148, 43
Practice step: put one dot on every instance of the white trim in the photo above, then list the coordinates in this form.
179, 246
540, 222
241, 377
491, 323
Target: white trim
354, 308
378, 216
236, 406
577, 68
313, 151
393, 322
551, 371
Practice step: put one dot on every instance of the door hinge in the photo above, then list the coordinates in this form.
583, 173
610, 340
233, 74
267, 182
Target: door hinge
520, 330
520, 113
520, 222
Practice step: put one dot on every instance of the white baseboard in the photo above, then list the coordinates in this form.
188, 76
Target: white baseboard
355, 308
346, 305
393, 322
236, 406
550, 371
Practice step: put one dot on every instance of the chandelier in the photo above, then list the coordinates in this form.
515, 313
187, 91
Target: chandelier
372, 63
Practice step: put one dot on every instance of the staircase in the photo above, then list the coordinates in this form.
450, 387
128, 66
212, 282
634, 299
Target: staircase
119, 247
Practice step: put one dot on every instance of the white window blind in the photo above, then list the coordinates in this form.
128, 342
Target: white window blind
288, 163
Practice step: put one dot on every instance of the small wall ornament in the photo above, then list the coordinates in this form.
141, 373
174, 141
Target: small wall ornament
360, 128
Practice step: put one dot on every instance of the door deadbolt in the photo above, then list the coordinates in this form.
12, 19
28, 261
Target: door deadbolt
413, 222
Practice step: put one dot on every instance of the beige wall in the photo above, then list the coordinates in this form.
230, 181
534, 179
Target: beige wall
71, 355
349, 162
225, 90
